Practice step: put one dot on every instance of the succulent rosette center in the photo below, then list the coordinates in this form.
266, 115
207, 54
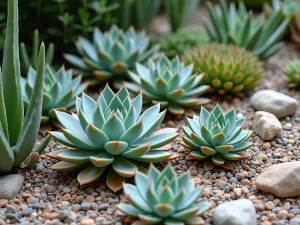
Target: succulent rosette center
111, 132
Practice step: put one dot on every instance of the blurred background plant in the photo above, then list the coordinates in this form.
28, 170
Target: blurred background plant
295, 33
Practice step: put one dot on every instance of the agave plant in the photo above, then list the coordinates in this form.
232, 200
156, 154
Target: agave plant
238, 26
226, 68
180, 12
60, 91
295, 31
110, 132
18, 134
292, 71
28, 62
169, 83
216, 138
111, 53
164, 198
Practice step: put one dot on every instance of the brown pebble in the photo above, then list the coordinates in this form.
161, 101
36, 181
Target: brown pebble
259, 205
87, 222
266, 145
25, 196
3, 203
273, 216
269, 205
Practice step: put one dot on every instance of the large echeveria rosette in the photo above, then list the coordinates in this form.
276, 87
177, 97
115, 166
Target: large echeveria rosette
216, 138
111, 53
169, 83
164, 198
111, 132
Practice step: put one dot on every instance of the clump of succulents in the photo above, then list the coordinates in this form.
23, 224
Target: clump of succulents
230, 24
111, 53
110, 132
292, 70
164, 198
226, 68
177, 43
295, 33
18, 134
60, 91
288, 9
216, 137
169, 83
32, 61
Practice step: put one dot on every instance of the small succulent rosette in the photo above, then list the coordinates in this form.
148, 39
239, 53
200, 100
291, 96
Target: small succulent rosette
111, 53
169, 83
111, 133
216, 137
292, 71
59, 93
164, 198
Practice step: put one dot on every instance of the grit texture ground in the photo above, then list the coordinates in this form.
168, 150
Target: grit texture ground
48, 197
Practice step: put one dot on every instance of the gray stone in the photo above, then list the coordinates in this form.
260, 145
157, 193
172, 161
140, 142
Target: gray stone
27, 211
295, 221
279, 104
266, 125
10, 185
221, 184
38, 206
85, 206
239, 212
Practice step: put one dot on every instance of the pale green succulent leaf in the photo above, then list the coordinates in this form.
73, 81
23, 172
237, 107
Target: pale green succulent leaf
164, 210
137, 151
123, 167
90, 174
102, 159
129, 209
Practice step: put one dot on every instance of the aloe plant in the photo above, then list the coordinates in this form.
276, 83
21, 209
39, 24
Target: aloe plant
111, 133
112, 53
230, 24
32, 61
180, 12
292, 71
164, 198
60, 91
216, 138
169, 83
18, 134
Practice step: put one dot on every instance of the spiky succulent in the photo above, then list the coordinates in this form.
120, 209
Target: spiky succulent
110, 132
226, 68
111, 53
292, 70
238, 26
169, 83
216, 137
32, 61
164, 198
60, 91
177, 43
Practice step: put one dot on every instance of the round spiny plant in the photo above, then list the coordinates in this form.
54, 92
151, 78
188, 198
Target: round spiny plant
111, 53
216, 137
169, 83
292, 70
226, 68
164, 198
110, 132
60, 91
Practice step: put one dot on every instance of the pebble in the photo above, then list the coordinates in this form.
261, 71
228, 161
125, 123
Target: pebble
85, 206
10, 185
87, 222
27, 212
3, 203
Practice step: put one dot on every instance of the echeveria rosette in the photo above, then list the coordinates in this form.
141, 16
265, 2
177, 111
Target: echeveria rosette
164, 198
60, 90
111, 53
226, 68
111, 132
216, 137
169, 83
292, 71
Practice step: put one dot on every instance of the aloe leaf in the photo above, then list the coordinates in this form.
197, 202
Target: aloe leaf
3, 117
32, 119
11, 76
90, 174
7, 157
114, 181
41, 147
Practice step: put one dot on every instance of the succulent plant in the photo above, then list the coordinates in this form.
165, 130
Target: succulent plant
18, 134
180, 12
164, 198
110, 132
288, 9
26, 61
60, 91
292, 71
169, 83
238, 26
295, 33
177, 43
216, 137
226, 68
111, 53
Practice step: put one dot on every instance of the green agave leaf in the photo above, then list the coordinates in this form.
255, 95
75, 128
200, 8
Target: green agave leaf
102, 159
185, 214
137, 151
198, 155
189, 143
97, 136
166, 195
194, 220
123, 167
164, 210
114, 181
154, 157
90, 174
198, 140
208, 151
205, 133
7, 157
223, 148
217, 159
113, 127
58, 136
128, 209
231, 156
115, 147
78, 141
142, 184
176, 109
133, 133
66, 166
241, 146
76, 156
150, 219
218, 139
203, 207
190, 198
158, 140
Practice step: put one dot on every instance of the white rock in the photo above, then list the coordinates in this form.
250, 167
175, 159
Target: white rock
282, 180
10, 185
274, 102
266, 125
239, 212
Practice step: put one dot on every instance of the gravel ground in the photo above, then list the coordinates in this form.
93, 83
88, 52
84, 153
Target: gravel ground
49, 197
